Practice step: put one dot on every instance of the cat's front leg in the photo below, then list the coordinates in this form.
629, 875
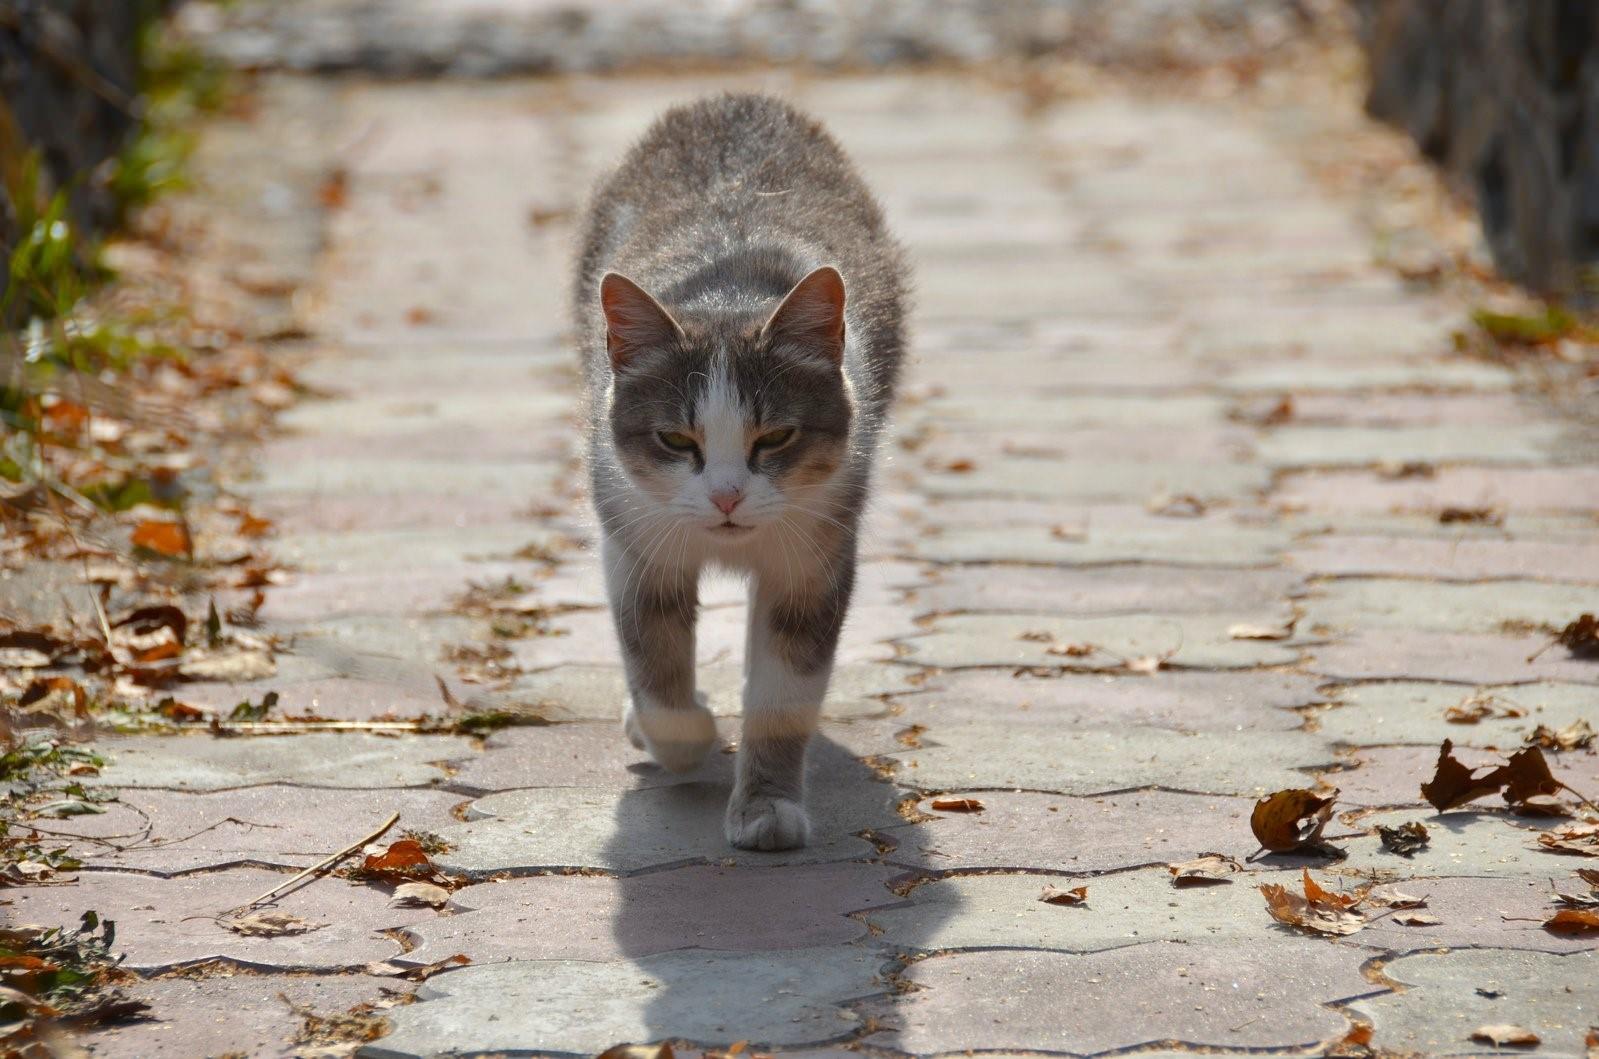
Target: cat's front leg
655, 610
789, 659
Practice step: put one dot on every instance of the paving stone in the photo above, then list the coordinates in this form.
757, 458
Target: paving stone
597, 693
318, 759
1003, 412
589, 917
1127, 908
1358, 603
1182, 542
1481, 913
339, 698
1405, 711
1392, 775
313, 512
1239, 995
1051, 832
1187, 640
1102, 480
1442, 1003
1334, 446
1469, 658
792, 997
987, 756
1434, 376
169, 831
233, 1014
442, 480
1414, 409
659, 826
1102, 589
167, 922
1518, 489
1454, 560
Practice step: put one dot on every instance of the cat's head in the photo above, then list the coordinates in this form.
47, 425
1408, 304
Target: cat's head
729, 420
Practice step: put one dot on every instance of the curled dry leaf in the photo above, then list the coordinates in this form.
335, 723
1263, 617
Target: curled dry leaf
419, 895
1318, 911
1581, 840
1480, 707
270, 923
1204, 870
1523, 777
1573, 921
1403, 839
1575, 736
1397, 899
1503, 1034
403, 859
385, 969
1054, 895
1580, 637
164, 538
1416, 919
1288, 820
957, 805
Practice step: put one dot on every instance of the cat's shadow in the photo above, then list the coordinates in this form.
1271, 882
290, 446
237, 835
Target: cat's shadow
772, 948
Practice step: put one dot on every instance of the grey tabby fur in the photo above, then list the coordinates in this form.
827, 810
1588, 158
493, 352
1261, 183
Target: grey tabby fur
739, 376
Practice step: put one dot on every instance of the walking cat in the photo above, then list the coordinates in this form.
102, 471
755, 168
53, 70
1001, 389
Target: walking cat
739, 302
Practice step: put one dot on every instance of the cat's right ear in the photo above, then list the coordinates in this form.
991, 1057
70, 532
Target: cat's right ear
634, 321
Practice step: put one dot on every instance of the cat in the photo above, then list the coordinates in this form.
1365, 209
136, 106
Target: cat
739, 306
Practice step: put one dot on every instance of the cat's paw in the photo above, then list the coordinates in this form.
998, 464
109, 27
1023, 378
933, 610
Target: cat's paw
765, 822
678, 740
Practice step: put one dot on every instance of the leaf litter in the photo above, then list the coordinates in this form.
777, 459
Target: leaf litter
1205, 870
1292, 821
1314, 910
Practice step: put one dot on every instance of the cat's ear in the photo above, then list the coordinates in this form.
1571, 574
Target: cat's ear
634, 321
812, 315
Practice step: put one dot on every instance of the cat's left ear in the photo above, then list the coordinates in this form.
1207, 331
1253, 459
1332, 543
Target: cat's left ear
812, 316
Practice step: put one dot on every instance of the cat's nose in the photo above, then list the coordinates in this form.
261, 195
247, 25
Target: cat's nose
726, 500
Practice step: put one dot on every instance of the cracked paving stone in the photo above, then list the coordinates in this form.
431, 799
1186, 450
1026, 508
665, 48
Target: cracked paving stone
592, 755
1082, 761
172, 831
596, 918
1393, 775
166, 922
655, 827
1469, 659
1103, 590
1412, 712
1196, 641
782, 998
315, 759
598, 693
1028, 829
1520, 490
1334, 446
1213, 542
1184, 700
1238, 995
1482, 913
233, 1014
1127, 908
1452, 559
1426, 606
1555, 996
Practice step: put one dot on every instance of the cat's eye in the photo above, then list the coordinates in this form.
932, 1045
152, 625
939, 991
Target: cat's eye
677, 441
774, 439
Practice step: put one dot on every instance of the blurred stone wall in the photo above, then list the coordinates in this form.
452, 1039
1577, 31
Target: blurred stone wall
1504, 94
68, 95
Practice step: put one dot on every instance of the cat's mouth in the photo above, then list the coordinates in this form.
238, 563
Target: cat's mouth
731, 529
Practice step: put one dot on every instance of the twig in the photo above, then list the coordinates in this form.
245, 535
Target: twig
325, 864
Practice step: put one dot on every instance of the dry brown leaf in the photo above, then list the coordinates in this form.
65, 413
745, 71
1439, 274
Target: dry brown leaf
385, 969
1287, 820
1182, 505
1070, 650
1397, 899
1204, 870
1247, 631
1317, 911
1479, 707
638, 1051
404, 858
1486, 516
957, 805
270, 923
1574, 736
1503, 1034
1416, 919
164, 538
419, 895
1054, 895
1579, 839
1453, 784
1573, 921
960, 466
1403, 839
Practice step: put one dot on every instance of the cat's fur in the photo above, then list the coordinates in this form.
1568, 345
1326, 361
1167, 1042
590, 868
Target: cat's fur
714, 219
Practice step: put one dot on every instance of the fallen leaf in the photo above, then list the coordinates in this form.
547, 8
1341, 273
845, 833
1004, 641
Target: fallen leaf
419, 895
1403, 839
1416, 919
271, 924
1486, 516
1575, 736
385, 969
1479, 707
1453, 784
1580, 840
1205, 869
1287, 820
1527, 776
1316, 912
404, 859
960, 466
1505, 1034
1580, 637
1397, 899
957, 805
1182, 505
164, 538
637, 1051
1247, 631
1053, 895
1071, 650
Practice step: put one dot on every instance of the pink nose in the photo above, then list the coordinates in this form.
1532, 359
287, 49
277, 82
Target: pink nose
726, 500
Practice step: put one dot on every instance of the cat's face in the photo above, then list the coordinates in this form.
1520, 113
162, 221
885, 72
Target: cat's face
733, 424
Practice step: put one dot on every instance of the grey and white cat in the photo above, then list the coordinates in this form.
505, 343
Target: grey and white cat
739, 302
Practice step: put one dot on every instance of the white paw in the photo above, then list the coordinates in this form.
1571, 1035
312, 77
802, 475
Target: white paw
678, 740
763, 822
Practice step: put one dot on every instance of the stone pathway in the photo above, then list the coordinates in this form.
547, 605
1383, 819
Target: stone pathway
1159, 392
